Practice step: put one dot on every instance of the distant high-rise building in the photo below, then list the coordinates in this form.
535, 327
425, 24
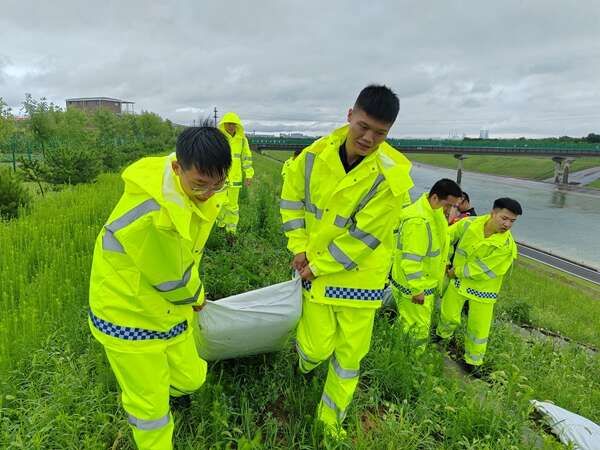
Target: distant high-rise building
484, 134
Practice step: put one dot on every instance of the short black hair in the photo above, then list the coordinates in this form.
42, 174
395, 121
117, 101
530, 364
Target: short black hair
379, 102
466, 196
445, 187
508, 203
206, 148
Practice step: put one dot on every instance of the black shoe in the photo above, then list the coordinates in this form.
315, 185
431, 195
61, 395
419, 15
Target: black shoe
231, 238
436, 339
306, 376
473, 371
180, 403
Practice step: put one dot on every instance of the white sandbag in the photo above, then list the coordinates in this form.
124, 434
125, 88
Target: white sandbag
388, 301
570, 427
251, 323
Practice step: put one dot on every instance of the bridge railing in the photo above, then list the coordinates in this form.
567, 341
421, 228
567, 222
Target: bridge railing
510, 147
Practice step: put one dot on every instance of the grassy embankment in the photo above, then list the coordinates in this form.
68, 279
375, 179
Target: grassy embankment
510, 166
57, 390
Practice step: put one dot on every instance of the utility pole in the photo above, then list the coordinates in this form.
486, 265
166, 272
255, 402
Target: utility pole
215, 116
194, 122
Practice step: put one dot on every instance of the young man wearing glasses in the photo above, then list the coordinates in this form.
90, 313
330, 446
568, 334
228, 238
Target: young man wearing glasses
145, 281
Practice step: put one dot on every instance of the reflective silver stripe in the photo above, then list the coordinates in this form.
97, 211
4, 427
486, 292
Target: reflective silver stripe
413, 276
109, 241
312, 208
430, 239
490, 273
370, 194
308, 167
475, 340
412, 257
341, 257
340, 371
341, 221
460, 251
434, 254
466, 271
247, 158
175, 284
187, 301
303, 355
146, 425
474, 357
294, 224
237, 155
247, 166
289, 204
331, 404
366, 238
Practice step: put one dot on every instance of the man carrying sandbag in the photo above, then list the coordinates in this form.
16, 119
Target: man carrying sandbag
340, 202
145, 283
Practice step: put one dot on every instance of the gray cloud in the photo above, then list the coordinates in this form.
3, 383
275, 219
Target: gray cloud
513, 67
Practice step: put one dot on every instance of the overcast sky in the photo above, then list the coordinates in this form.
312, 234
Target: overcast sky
517, 68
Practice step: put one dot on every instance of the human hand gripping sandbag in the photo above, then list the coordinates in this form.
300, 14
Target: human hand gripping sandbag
251, 323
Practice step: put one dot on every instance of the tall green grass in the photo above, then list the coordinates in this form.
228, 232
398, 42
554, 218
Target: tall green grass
57, 390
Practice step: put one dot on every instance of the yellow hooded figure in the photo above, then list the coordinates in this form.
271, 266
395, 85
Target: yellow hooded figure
241, 167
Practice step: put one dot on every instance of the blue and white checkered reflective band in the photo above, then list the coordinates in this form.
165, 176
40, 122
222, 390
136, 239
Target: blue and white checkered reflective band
135, 334
482, 294
306, 284
353, 294
407, 291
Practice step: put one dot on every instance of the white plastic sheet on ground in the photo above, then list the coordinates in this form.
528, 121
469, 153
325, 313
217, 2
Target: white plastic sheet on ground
251, 323
570, 427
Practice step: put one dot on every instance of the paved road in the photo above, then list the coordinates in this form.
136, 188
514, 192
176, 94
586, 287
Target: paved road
581, 271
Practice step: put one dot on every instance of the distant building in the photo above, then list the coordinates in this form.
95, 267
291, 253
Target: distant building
91, 104
484, 134
292, 135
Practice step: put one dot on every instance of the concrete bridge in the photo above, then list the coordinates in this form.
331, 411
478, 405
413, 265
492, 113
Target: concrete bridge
563, 155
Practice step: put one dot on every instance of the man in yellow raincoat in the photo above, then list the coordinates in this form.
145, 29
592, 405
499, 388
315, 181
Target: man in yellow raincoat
145, 281
485, 251
241, 170
341, 199
420, 258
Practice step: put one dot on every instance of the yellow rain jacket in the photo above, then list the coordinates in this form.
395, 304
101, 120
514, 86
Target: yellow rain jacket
241, 156
145, 272
479, 262
421, 256
344, 221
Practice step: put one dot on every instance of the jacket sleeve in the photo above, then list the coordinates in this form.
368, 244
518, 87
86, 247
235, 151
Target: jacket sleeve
163, 262
247, 159
495, 265
415, 243
292, 208
370, 226
455, 234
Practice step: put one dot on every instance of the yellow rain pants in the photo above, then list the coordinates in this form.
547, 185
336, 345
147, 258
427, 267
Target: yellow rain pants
147, 379
479, 322
230, 213
341, 334
415, 318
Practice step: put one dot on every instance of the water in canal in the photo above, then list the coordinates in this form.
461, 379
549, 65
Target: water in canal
564, 223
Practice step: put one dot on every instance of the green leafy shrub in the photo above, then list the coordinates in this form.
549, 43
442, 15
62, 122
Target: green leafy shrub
519, 312
112, 158
72, 166
13, 195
